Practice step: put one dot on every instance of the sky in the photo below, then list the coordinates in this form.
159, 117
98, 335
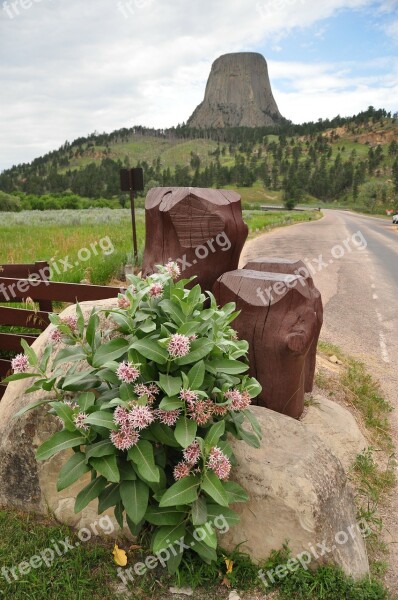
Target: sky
72, 67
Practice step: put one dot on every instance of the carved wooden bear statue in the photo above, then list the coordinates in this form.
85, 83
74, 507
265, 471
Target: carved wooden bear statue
201, 229
280, 332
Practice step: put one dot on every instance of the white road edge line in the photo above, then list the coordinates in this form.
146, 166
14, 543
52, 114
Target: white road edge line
383, 347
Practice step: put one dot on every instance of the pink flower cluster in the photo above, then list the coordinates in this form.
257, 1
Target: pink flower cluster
200, 411
192, 453
168, 417
138, 417
55, 335
240, 400
20, 363
127, 372
79, 421
124, 439
191, 458
219, 463
71, 321
173, 270
130, 423
123, 302
151, 391
156, 290
182, 469
179, 345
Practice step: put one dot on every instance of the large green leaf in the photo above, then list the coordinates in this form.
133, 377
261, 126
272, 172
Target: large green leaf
235, 492
171, 403
183, 491
143, 458
166, 536
185, 431
60, 441
26, 409
72, 470
92, 327
151, 349
226, 365
227, 516
109, 497
135, 496
76, 383
199, 511
99, 449
64, 412
196, 375
215, 432
250, 416
107, 466
86, 401
164, 434
170, 385
69, 354
110, 351
206, 553
173, 310
213, 486
164, 516
101, 418
89, 493
30, 353
199, 349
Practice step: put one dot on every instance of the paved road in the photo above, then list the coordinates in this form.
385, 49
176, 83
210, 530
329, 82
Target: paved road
354, 260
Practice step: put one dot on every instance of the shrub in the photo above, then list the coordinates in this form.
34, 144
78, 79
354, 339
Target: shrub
150, 413
9, 203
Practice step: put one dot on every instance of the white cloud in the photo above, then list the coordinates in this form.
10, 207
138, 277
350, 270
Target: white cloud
73, 67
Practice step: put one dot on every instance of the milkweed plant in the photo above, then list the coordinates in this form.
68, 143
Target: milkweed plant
146, 405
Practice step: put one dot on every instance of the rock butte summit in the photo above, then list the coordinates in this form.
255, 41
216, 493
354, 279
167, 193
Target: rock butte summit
238, 94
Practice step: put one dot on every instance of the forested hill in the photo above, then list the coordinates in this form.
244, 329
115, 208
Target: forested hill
327, 159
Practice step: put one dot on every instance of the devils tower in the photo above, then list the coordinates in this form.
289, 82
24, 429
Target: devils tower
238, 94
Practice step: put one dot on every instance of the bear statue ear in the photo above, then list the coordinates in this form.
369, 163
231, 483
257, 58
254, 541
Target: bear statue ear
299, 342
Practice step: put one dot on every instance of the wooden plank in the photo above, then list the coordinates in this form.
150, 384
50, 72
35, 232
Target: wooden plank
12, 341
5, 367
18, 270
24, 318
62, 292
38, 270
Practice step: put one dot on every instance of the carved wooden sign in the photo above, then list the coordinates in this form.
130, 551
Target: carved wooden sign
279, 321
202, 229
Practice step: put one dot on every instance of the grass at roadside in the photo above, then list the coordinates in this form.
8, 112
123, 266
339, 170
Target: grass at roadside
62, 238
87, 571
374, 473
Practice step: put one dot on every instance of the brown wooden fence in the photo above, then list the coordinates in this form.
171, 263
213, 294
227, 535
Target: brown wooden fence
19, 282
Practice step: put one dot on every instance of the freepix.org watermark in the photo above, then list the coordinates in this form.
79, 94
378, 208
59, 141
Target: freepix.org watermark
355, 242
46, 557
172, 549
63, 265
315, 551
265, 9
201, 252
127, 7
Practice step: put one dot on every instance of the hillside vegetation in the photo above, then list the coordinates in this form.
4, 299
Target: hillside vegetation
349, 161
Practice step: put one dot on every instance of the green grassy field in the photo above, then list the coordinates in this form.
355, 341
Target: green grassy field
73, 241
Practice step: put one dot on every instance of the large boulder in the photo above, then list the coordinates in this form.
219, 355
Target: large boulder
26, 483
297, 486
337, 428
298, 492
